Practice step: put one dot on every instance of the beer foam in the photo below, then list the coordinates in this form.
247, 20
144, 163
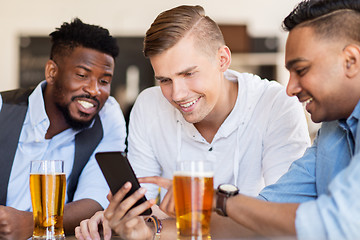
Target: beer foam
56, 173
193, 174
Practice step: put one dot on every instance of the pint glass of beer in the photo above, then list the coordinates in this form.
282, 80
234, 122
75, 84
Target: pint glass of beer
47, 187
193, 192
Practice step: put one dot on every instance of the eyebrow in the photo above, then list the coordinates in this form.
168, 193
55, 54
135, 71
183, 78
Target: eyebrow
88, 70
292, 62
183, 72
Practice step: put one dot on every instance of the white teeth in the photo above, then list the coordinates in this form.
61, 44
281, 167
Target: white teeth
85, 104
188, 104
308, 101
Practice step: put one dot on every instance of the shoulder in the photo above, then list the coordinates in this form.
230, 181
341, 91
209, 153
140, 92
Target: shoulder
151, 100
151, 95
111, 114
110, 108
253, 83
152, 108
257, 88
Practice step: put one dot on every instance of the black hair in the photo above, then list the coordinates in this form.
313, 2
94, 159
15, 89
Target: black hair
76, 34
328, 18
311, 9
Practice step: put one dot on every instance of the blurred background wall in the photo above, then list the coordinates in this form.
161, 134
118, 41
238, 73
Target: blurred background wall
252, 28
21, 18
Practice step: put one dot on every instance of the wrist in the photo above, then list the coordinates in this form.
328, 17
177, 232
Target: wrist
223, 193
156, 226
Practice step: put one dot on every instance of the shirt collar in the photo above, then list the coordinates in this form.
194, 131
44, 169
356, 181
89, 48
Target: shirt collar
356, 112
352, 121
37, 111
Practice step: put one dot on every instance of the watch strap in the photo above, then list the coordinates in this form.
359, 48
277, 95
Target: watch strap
221, 203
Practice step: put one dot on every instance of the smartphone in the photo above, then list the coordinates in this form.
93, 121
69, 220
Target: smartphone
117, 171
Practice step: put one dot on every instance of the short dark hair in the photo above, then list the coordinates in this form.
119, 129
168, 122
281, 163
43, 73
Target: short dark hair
79, 34
172, 25
328, 18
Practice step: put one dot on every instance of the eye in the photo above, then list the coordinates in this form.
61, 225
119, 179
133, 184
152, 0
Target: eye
104, 81
301, 71
189, 74
163, 81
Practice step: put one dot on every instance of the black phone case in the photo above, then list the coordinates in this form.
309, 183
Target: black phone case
117, 171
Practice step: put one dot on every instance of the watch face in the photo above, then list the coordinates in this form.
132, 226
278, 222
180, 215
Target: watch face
228, 188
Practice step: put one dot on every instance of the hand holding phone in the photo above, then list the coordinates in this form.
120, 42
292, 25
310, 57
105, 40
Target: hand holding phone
117, 171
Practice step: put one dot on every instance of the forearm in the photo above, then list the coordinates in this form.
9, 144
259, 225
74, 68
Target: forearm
266, 218
77, 211
225, 227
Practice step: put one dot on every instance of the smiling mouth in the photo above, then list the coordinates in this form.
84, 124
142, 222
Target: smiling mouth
86, 104
189, 104
308, 101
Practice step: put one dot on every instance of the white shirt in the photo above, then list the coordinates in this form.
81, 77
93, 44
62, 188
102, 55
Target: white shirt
33, 146
265, 132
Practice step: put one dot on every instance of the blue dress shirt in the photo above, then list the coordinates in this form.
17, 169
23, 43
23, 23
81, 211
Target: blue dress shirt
33, 146
326, 181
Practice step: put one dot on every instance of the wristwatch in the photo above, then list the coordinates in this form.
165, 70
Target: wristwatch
223, 192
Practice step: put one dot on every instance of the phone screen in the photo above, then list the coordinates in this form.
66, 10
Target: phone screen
117, 171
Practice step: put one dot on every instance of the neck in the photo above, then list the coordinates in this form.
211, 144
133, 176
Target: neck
56, 118
209, 126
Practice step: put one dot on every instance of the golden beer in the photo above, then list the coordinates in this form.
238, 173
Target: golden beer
193, 194
48, 197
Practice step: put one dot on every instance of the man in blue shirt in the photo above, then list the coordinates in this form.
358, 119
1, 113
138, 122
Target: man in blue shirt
69, 116
319, 195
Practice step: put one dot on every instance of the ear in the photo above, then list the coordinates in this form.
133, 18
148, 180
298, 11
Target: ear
352, 60
224, 56
51, 70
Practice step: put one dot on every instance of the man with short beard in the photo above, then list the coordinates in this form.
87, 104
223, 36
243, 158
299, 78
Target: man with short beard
69, 116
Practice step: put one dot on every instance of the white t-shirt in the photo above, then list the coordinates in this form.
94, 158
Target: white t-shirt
265, 132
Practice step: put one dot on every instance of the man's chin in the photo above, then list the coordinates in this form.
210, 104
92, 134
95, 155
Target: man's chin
77, 124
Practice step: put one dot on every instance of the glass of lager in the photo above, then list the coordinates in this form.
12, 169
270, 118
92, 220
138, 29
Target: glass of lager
193, 192
47, 188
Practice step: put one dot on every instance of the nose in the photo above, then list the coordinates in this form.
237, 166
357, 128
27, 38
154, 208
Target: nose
179, 89
92, 88
293, 88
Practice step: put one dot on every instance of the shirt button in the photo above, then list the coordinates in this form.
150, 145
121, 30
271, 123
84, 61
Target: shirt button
210, 149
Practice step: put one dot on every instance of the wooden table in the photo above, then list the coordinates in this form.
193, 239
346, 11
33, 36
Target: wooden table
220, 225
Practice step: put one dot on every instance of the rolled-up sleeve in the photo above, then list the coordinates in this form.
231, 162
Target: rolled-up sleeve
334, 215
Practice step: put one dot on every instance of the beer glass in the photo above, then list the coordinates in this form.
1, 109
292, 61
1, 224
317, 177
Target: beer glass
47, 188
193, 192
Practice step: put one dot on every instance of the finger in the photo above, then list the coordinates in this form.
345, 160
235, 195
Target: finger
116, 199
160, 181
136, 211
93, 224
171, 206
125, 205
106, 230
78, 234
84, 231
168, 203
109, 196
